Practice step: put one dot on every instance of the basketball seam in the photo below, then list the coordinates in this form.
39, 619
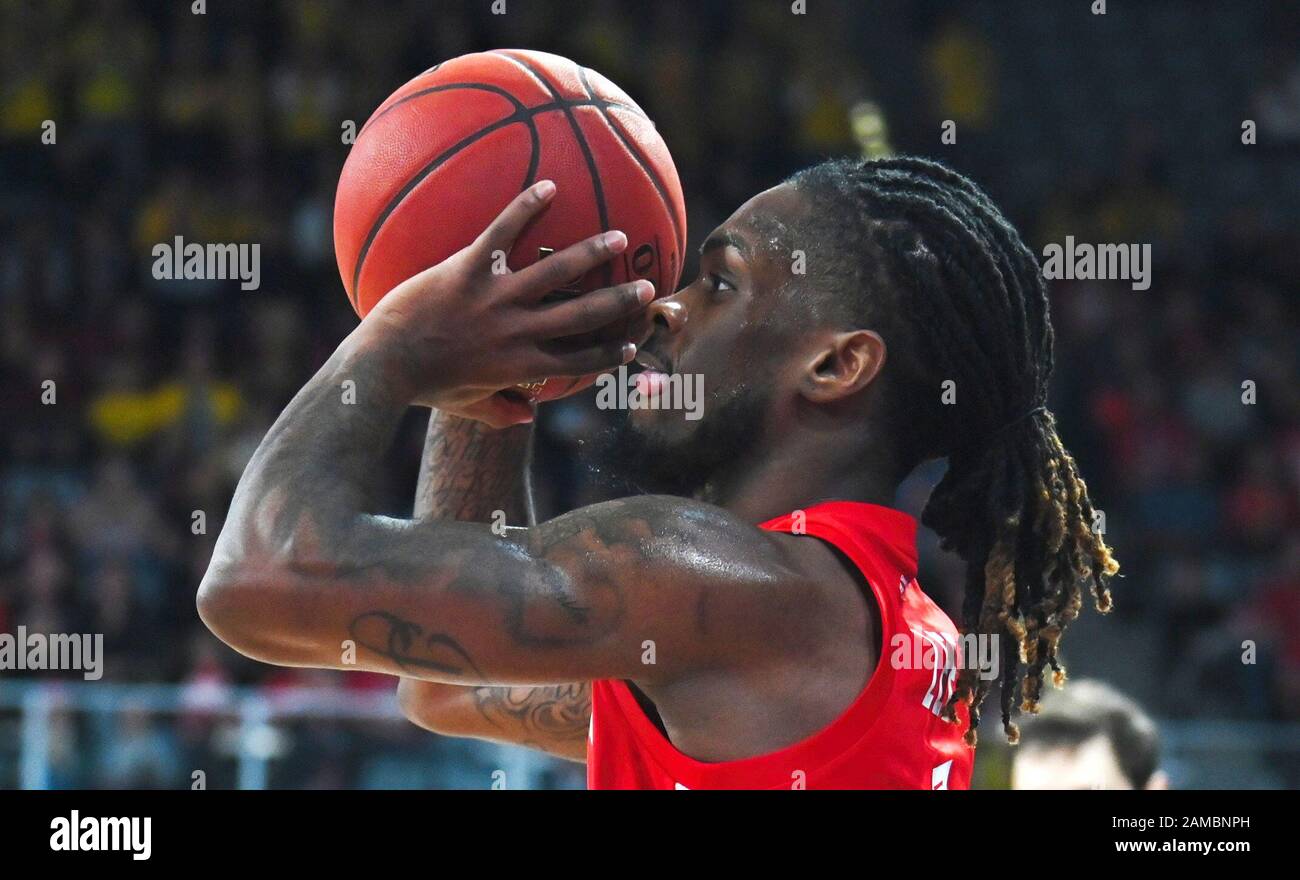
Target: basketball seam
631, 108
640, 159
557, 104
445, 87
598, 189
677, 237
523, 113
519, 105
525, 116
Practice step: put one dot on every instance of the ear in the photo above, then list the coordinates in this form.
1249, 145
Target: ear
844, 364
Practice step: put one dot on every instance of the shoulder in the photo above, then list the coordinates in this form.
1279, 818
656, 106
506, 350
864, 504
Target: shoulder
705, 575
668, 531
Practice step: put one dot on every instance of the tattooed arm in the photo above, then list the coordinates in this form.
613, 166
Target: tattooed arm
648, 588
470, 472
551, 719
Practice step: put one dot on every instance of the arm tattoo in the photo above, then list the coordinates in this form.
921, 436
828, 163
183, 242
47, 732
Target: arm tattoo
470, 470
530, 595
559, 712
409, 646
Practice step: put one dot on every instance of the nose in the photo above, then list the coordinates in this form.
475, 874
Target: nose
668, 313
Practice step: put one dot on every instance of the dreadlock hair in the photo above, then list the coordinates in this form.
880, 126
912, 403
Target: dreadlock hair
959, 297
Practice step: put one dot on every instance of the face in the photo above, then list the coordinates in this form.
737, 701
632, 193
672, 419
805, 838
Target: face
731, 334
1091, 765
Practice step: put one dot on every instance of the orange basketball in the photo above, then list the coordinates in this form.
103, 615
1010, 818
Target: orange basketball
445, 153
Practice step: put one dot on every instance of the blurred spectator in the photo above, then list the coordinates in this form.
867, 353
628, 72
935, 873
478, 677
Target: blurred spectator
1088, 736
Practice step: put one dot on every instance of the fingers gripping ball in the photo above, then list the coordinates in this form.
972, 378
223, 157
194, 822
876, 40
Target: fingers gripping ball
445, 153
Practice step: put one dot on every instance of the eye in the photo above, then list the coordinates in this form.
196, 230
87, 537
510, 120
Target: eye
718, 283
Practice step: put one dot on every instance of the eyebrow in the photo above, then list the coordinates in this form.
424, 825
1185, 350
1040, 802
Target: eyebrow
727, 239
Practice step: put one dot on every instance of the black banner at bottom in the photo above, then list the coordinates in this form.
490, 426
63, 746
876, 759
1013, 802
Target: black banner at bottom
216, 829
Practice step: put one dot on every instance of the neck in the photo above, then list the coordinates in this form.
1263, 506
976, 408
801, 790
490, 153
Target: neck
797, 478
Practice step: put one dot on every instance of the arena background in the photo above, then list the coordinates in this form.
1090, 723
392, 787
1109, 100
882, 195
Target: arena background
226, 126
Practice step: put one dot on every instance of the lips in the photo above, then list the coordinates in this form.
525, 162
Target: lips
650, 361
650, 383
652, 375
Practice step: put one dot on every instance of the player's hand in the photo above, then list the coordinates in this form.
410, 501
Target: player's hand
457, 333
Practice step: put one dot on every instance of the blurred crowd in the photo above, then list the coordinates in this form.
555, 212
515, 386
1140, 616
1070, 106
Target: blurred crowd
130, 405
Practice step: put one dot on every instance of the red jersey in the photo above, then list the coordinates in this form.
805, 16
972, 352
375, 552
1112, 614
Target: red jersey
891, 736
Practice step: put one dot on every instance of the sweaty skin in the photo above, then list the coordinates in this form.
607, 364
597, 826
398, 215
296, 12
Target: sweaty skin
472, 472
773, 627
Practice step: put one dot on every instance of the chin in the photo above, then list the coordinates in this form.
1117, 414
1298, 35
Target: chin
648, 453
660, 431
646, 420
661, 450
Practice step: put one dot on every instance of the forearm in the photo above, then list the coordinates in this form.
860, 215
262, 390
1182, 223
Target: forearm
470, 471
299, 503
553, 719
302, 576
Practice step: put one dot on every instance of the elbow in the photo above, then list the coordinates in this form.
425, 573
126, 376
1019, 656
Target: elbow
217, 604
237, 607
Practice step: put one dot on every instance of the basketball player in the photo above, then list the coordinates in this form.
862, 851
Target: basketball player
740, 630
